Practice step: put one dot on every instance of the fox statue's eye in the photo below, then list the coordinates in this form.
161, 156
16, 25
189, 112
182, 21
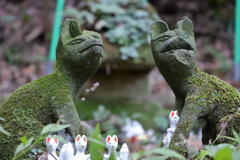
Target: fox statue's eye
76, 41
163, 38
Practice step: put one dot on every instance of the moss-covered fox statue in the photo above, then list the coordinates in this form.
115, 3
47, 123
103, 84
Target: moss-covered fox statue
43, 101
198, 95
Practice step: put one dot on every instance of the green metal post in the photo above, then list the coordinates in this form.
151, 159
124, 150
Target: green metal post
237, 43
55, 35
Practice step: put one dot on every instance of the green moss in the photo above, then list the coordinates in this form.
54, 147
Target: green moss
44, 100
223, 99
198, 95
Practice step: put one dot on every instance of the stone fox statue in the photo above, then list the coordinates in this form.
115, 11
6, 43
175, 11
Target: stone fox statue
198, 95
40, 102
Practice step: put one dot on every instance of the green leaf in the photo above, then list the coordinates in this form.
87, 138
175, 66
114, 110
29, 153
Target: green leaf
7, 18
106, 8
96, 149
60, 138
30, 155
236, 155
233, 139
236, 135
202, 154
112, 156
138, 115
129, 52
211, 149
96, 141
19, 148
141, 13
136, 156
224, 145
100, 24
156, 158
89, 17
224, 154
166, 152
24, 140
53, 128
2, 130
2, 119
161, 122
34, 151
29, 142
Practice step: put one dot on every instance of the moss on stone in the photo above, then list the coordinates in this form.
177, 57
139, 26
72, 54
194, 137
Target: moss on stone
42, 101
198, 94
223, 101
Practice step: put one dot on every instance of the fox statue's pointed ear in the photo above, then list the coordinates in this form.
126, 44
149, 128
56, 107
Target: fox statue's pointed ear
77, 138
84, 138
186, 25
157, 28
172, 113
176, 112
55, 139
48, 139
108, 138
70, 30
115, 138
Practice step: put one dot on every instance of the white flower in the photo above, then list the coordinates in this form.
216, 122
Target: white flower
96, 84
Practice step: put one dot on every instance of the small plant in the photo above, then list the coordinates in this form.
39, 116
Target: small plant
27, 145
102, 113
96, 148
35, 152
92, 89
2, 130
223, 151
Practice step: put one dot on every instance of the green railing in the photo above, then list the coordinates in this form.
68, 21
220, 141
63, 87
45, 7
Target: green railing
237, 43
55, 35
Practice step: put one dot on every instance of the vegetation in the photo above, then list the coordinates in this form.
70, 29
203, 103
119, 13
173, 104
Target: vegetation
24, 40
217, 152
123, 22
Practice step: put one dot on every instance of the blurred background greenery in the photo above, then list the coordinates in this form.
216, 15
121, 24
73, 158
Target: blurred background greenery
130, 84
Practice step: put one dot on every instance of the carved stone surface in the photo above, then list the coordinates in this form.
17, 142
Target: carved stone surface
198, 95
43, 101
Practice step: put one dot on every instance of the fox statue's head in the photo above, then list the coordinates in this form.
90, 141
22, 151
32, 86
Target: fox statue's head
173, 118
173, 50
51, 143
81, 143
79, 51
112, 142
